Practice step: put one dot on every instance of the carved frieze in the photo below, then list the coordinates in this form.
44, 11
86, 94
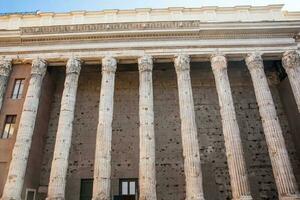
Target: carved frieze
104, 27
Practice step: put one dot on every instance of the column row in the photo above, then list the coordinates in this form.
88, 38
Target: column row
283, 173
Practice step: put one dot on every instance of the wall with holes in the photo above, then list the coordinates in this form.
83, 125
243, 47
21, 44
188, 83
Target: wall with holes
169, 161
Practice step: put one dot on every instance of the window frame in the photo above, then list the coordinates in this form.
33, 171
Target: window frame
128, 180
12, 122
82, 181
20, 89
30, 190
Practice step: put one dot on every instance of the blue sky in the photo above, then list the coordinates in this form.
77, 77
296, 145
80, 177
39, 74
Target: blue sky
69, 5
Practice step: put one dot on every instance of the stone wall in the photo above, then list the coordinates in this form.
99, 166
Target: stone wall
169, 161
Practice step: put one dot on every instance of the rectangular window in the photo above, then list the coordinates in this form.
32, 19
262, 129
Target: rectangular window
18, 89
30, 194
128, 187
86, 189
9, 126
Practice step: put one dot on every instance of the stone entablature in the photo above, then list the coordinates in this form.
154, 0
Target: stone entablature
205, 14
161, 33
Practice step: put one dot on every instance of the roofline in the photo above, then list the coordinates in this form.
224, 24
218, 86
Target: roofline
139, 10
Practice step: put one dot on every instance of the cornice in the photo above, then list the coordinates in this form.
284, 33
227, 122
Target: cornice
148, 10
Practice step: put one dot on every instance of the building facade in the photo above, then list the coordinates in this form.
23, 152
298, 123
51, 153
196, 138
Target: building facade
166, 104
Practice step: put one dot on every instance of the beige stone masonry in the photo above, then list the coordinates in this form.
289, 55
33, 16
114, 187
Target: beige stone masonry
57, 182
282, 169
191, 154
147, 179
233, 144
291, 64
15, 178
5, 70
102, 169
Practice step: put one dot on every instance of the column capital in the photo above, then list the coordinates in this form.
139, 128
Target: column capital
39, 66
145, 63
218, 61
109, 64
73, 65
5, 66
254, 60
290, 59
182, 62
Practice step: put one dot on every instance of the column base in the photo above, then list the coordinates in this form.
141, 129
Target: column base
290, 197
243, 198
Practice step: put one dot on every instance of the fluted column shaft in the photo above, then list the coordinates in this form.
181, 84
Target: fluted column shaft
234, 150
102, 168
282, 169
57, 181
291, 64
191, 154
5, 69
15, 178
147, 179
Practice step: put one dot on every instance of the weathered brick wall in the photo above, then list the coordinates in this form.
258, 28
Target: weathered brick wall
169, 161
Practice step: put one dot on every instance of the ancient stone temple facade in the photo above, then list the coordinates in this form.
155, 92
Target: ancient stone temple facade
150, 104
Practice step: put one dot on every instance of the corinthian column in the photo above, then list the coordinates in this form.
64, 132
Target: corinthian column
234, 150
15, 178
57, 182
102, 169
147, 180
191, 155
5, 69
282, 169
291, 64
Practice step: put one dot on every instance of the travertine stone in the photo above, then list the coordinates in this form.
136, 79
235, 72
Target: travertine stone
5, 69
147, 179
102, 169
234, 150
291, 64
15, 178
57, 182
282, 169
192, 165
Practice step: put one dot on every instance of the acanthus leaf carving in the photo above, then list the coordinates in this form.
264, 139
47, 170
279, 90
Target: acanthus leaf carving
109, 64
145, 63
5, 66
73, 65
39, 66
290, 59
182, 63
